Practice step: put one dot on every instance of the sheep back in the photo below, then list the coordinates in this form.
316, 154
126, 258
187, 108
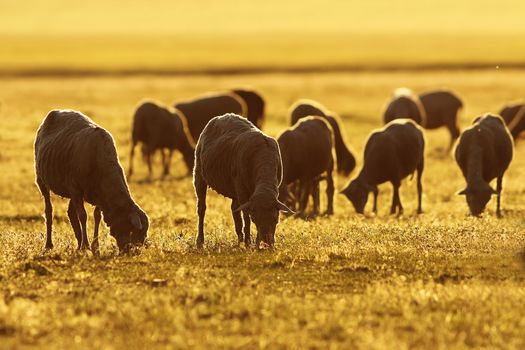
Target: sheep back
306, 149
158, 127
441, 107
393, 152
76, 157
304, 108
255, 104
199, 111
490, 141
230, 149
404, 104
514, 117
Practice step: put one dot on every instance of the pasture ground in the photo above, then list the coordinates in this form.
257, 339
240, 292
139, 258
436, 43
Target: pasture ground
438, 280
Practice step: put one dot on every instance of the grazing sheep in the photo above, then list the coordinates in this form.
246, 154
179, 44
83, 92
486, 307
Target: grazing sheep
405, 104
306, 152
514, 117
441, 108
201, 110
484, 152
255, 104
304, 108
237, 160
391, 154
160, 129
75, 158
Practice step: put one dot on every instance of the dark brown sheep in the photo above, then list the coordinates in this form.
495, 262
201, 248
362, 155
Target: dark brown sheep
201, 110
514, 117
237, 160
75, 158
391, 154
304, 108
441, 108
255, 104
404, 104
157, 128
483, 153
306, 151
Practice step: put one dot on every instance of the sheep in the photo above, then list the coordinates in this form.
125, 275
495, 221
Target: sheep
199, 111
255, 104
303, 108
441, 108
76, 159
238, 161
484, 152
306, 152
513, 115
404, 104
391, 154
158, 128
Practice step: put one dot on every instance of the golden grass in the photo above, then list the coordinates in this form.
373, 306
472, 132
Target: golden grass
74, 54
439, 280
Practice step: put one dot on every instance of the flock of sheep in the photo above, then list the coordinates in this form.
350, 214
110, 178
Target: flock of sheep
77, 159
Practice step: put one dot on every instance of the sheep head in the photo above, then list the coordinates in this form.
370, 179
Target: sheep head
130, 229
357, 193
477, 197
264, 212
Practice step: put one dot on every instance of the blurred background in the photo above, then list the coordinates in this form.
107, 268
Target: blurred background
122, 36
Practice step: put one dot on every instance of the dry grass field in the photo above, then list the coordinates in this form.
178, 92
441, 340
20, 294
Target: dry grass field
438, 280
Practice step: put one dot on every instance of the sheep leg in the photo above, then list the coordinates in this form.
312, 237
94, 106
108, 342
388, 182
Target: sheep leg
163, 154
94, 245
168, 162
398, 198
454, 133
237, 220
73, 219
48, 210
131, 155
148, 160
297, 194
375, 192
499, 187
316, 197
419, 187
330, 189
200, 191
396, 202
304, 190
78, 203
247, 222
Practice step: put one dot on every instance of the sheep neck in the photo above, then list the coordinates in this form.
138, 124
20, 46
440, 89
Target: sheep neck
187, 149
475, 165
265, 172
115, 197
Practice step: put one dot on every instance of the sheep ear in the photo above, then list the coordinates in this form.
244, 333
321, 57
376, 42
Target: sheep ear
282, 207
243, 207
135, 221
462, 192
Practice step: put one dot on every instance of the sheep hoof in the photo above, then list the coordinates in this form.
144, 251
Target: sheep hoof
200, 244
420, 211
95, 250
